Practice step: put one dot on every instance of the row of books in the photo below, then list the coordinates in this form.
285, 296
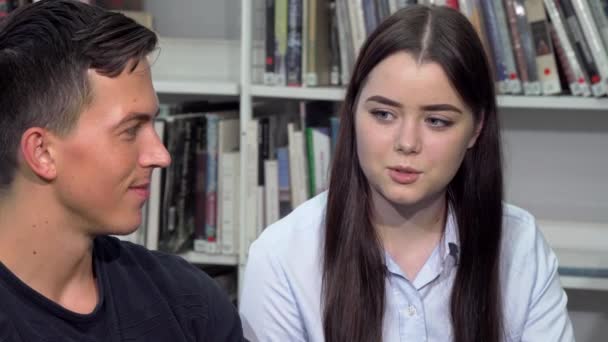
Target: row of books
288, 155
538, 47
195, 202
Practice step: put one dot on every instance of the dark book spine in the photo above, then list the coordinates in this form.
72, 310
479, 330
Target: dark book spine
294, 43
270, 44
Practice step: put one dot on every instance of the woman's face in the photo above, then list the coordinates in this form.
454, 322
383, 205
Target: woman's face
412, 130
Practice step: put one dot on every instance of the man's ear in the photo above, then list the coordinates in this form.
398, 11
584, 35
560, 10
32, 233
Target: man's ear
478, 128
37, 152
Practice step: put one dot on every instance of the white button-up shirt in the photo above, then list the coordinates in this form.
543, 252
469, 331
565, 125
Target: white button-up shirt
281, 298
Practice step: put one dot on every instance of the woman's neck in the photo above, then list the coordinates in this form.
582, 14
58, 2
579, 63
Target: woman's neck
410, 233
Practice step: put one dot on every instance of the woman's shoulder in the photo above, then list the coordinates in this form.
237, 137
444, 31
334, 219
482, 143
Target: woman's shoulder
526, 255
519, 226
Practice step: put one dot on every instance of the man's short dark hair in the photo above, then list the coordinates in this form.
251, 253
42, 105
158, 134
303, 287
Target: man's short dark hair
46, 50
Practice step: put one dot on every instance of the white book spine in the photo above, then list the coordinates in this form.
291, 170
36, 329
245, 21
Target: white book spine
301, 169
322, 151
153, 220
271, 181
357, 29
583, 12
343, 41
392, 5
260, 205
601, 19
229, 164
252, 181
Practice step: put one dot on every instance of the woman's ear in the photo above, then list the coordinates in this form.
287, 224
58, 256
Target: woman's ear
37, 152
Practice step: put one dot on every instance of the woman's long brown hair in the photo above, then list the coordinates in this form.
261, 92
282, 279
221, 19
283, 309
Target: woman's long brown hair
354, 269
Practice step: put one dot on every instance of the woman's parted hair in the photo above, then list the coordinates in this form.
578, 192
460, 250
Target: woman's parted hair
353, 266
46, 49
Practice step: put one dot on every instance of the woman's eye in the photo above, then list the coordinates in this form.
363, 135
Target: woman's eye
436, 122
382, 115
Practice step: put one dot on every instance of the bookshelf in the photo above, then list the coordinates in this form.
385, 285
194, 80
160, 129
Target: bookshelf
209, 67
212, 259
196, 87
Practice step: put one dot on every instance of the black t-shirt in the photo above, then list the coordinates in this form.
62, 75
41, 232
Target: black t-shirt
143, 296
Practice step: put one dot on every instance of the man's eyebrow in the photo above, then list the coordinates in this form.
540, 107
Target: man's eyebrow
384, 100
138, 116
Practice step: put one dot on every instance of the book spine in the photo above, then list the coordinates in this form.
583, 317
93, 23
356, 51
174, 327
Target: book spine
581, 47
494, 39
312, 181
518, 50
271, 172
251, 181
269, 75
598, 51
545, 58
345, 41
335, 47
229, 201
211, 187
579, 80
280, 34
294, 44
513, 81
601, 19
370, 20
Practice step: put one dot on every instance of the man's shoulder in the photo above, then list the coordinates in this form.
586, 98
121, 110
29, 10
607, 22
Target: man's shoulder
155, 280
170, 273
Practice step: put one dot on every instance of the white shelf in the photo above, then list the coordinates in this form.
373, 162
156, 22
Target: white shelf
300, 93
552, 102
196, 87
196, 66
587, 248
210, 259
584, 283
504, 101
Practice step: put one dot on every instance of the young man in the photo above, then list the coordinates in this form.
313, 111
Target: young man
77, 148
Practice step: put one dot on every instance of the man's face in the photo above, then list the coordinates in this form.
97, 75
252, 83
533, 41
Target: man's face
104, 164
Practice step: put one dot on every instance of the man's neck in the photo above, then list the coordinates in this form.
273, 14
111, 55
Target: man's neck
41, 248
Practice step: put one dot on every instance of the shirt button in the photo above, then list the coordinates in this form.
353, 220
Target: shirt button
411, 311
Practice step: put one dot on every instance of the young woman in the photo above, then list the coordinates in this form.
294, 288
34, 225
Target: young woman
412, 241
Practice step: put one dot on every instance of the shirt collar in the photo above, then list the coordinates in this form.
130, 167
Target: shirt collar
449, 246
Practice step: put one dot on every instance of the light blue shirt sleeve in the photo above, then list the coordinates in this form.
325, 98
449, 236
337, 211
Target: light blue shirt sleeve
548, 318
268, 309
